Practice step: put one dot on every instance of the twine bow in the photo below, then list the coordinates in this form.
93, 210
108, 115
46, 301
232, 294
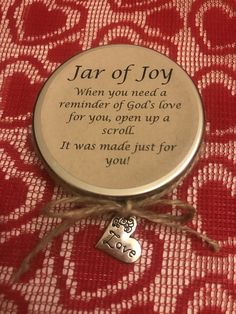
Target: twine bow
84, 207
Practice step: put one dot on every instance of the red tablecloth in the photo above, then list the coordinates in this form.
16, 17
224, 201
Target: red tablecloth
176, 273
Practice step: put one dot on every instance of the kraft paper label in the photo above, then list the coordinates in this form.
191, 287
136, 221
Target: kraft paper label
118, 117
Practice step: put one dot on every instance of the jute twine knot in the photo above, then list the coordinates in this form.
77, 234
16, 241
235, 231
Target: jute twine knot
83, 207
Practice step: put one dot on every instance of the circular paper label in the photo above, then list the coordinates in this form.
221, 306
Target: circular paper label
119, 120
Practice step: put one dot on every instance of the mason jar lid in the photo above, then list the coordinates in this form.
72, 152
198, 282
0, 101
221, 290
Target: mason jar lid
118, 121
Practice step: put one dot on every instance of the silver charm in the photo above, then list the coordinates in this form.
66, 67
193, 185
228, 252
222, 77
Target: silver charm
116, 240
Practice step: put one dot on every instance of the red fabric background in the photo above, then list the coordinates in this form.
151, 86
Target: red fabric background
176, 273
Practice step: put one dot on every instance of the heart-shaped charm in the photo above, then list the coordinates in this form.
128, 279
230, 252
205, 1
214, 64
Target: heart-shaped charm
116, 240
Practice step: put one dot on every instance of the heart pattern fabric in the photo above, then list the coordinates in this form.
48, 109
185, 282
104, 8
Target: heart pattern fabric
175, 273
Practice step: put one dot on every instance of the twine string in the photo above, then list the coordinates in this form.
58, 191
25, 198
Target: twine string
84, 207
